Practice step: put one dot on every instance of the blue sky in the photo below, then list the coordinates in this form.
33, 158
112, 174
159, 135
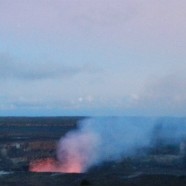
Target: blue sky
84, 57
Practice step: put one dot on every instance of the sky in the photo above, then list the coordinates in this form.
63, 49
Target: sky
92, 57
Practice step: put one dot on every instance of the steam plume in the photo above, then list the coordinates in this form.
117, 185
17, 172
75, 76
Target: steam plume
112, 138
103, 139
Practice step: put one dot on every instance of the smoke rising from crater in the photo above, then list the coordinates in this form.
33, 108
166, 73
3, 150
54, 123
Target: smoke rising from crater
105, 139
101, 139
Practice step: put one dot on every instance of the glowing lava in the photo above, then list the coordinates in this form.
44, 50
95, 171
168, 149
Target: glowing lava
51, 165
76, 152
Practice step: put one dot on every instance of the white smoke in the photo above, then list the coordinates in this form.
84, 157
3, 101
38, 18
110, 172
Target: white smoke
112, 138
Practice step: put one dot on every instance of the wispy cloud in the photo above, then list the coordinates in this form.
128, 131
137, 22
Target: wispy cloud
163, 95
12, 68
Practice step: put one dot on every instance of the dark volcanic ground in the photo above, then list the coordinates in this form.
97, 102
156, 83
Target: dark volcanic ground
23, 140
137, 179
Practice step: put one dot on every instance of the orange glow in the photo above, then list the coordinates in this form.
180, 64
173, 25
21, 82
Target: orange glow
51, 165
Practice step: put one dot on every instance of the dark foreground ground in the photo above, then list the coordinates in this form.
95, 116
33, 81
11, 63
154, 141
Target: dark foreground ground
137, 179
23, 140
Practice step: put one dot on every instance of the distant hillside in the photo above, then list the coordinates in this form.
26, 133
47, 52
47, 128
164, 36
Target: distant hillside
39, 121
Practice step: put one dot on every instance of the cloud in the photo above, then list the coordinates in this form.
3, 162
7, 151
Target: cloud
122, 20
163, 95
43, 85
13, 69
62, 14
